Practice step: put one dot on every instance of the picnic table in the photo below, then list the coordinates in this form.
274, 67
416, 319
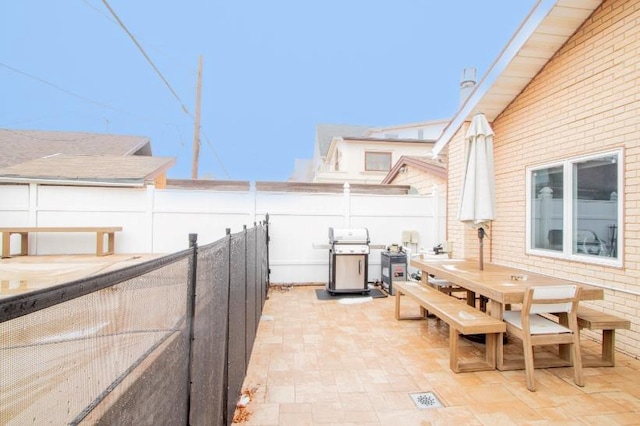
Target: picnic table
501, 286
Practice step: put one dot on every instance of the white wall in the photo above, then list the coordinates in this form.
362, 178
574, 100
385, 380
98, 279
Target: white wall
160, 220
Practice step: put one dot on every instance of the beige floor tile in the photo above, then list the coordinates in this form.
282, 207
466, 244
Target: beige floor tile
326, 363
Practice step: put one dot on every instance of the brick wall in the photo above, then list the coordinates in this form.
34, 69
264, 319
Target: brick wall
585, 100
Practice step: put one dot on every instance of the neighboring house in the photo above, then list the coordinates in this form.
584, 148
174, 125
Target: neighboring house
423, 174
362, 154
563, 101
324, 135
367, 160
76, 158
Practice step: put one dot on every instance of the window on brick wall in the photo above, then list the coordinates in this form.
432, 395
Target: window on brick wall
377, 161
574, 209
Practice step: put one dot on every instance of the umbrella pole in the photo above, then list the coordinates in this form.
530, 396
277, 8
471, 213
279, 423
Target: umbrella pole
481, 246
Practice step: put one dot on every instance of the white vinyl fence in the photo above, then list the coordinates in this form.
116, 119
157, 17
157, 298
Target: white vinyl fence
160, 220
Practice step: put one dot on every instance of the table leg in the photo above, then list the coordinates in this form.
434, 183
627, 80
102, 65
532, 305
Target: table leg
495, 310
471, 298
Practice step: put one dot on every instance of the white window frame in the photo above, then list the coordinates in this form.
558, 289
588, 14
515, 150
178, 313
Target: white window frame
385, 153
567, 252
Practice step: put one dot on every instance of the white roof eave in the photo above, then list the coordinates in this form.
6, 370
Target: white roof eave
545, 30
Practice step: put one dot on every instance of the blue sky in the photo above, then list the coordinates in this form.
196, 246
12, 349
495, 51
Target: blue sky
272, 70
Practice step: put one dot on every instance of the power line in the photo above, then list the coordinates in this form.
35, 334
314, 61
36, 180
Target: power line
83, 98
155, 68
55, 86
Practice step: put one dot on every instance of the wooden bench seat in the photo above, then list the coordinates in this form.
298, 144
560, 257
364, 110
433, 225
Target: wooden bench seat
592, 319
24, 231
461, 318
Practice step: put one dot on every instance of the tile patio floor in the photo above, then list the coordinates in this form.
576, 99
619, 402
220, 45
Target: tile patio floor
329, 363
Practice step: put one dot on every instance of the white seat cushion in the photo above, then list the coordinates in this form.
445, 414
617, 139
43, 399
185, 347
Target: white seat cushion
539, 324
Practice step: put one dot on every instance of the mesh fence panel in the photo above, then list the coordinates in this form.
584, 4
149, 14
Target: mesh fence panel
237, 306
208, 393
127, 348
252, 292
79, 360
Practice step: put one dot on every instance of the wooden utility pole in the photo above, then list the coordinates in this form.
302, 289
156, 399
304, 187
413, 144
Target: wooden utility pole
196, 135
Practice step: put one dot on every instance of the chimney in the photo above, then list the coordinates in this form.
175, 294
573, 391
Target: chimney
467, 83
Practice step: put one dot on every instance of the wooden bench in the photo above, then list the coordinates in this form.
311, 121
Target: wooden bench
24, 231
592, 319
461, 318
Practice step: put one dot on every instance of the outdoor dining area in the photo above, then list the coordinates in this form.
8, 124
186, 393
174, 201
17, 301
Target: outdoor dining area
349, 361
472, 342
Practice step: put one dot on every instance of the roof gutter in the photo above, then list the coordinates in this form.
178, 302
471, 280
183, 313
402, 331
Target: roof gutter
537, 14
70, 182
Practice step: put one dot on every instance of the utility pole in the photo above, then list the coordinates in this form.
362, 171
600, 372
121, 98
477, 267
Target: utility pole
196, 135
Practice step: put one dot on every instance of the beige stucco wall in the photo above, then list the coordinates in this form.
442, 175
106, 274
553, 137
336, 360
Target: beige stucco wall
585, 100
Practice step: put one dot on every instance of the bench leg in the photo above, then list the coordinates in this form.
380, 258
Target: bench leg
423, 311
607, 357
24, 243
111, 242
609, 347
6, 245
491, 347
489, 362
453, 350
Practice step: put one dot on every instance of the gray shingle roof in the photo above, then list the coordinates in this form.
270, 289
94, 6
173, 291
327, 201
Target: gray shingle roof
325, 132
90, 168
19, 146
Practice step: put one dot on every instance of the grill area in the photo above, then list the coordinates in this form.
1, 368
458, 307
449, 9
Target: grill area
348, 260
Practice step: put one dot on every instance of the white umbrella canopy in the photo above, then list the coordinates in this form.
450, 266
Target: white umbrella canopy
478, 199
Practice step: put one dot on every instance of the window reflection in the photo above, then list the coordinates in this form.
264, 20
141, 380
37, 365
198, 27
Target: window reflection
548, 208
592, 185
595, 196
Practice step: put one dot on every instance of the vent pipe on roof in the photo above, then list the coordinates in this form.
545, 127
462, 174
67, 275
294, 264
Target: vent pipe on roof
467, 83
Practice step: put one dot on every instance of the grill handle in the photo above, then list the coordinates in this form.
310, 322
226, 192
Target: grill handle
359, 267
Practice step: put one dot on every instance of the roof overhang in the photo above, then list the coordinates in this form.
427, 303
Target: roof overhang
430, 166
87, 170
71, 182
543, 32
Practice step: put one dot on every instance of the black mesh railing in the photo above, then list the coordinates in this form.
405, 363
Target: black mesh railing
166, 341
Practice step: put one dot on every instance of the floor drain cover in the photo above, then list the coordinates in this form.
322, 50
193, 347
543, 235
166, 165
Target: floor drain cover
426, 400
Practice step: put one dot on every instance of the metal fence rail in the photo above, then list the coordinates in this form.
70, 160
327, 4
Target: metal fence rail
167, 341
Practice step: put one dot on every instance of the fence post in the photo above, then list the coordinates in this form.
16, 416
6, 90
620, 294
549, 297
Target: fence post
266, 224
191, 310
347, 204
246, 302
227, 418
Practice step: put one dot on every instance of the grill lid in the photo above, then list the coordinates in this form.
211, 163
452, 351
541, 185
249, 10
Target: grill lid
348, 235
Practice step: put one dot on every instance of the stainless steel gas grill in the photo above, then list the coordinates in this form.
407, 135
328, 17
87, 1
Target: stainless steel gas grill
348, 260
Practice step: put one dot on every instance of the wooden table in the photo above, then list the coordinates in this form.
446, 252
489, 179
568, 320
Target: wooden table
501, 285
24, 231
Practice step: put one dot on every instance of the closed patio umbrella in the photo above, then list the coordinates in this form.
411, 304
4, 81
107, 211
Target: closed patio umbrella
478, 201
